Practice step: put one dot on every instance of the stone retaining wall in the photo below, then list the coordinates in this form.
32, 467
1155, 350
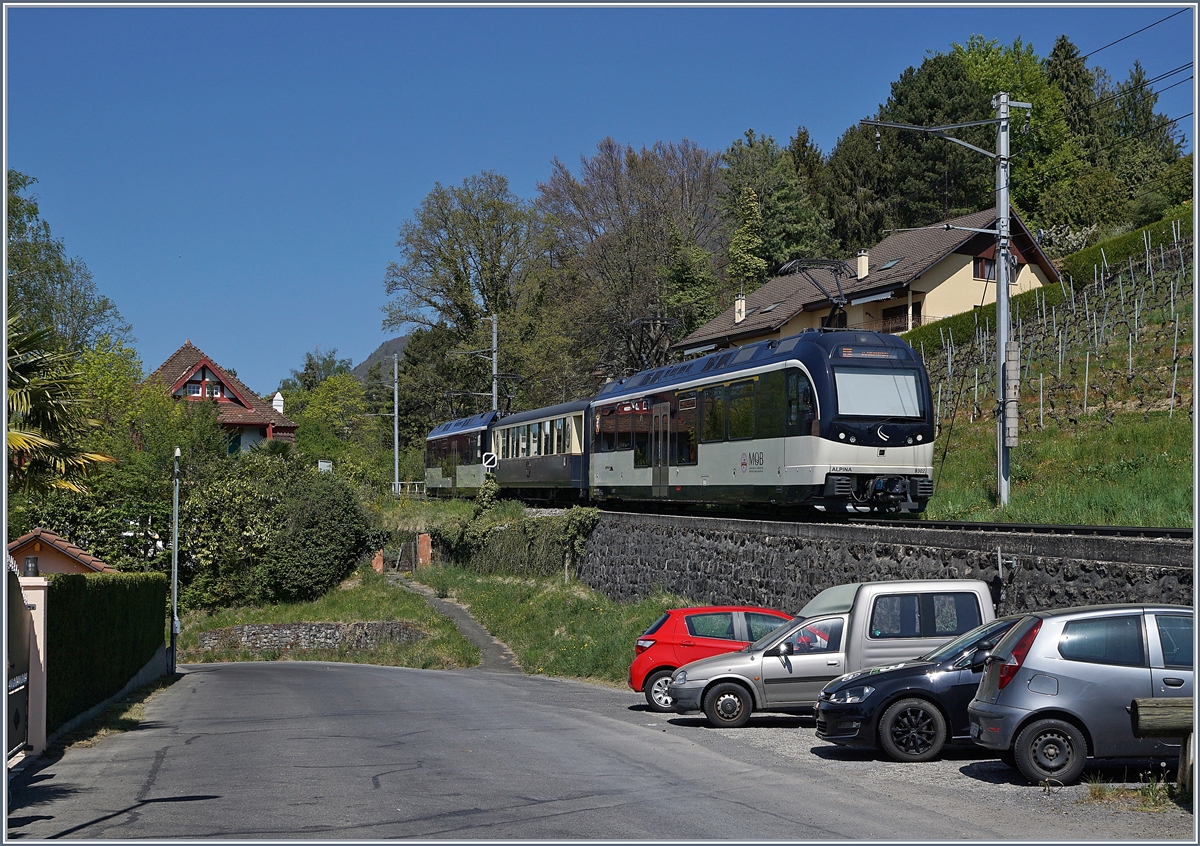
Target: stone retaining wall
782, 565
286, 636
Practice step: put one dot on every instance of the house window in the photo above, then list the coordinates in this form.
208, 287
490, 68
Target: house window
214, 390
193, 389
985, 268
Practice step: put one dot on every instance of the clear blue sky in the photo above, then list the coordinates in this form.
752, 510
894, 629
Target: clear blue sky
236, 176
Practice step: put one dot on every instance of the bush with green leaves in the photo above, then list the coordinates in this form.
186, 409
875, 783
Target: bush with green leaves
270, 530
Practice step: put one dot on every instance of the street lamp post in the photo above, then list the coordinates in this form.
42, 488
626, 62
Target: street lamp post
1006, 354
175, 567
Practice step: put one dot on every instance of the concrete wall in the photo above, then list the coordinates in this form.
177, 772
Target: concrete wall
783, 565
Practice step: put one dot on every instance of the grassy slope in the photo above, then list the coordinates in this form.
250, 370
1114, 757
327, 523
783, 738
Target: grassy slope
367, 596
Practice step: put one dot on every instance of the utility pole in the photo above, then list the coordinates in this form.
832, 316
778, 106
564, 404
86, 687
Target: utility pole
395, 424
1007, 357
495, 362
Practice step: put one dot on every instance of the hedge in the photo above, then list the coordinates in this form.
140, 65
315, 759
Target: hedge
101, 629
1079, 267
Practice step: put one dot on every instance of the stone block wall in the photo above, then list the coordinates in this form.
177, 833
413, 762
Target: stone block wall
286, 636
784, 564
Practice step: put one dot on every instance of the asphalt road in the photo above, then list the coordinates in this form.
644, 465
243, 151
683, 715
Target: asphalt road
300, 750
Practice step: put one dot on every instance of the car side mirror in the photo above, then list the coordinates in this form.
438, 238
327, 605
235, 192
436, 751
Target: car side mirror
979, 660
786, 648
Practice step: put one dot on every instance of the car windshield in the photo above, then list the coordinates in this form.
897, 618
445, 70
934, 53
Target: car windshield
773, 635
969, 640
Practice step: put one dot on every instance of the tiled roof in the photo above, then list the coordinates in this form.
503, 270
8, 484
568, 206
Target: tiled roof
246, 408
65, 547
913, 252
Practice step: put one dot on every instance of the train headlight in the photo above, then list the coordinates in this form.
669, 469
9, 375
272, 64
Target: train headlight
910, 440
920, 437
842, 435
853, 439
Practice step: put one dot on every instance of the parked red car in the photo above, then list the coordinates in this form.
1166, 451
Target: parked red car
683, 635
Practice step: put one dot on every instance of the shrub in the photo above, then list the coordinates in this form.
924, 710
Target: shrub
102, 629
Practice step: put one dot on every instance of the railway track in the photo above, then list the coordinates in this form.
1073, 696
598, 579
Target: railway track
1148, 532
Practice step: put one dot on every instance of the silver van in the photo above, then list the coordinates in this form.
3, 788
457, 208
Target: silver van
1058, 687
842, 629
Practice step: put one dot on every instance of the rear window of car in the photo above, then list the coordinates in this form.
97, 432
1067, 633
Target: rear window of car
761, 625
1108, 640
924, 615
1175, 633
719, 625
657, 624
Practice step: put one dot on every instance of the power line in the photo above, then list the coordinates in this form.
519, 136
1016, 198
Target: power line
1122, 92
1130, 35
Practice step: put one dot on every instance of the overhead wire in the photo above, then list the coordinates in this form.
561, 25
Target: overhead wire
1130, 35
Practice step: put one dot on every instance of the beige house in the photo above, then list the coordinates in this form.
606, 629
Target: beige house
907, 279
54, 554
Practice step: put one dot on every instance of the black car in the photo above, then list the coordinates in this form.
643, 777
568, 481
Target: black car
910, 709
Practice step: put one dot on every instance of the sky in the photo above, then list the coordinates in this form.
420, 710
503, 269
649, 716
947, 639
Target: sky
237, 176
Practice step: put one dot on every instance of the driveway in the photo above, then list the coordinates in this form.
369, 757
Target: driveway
295, 750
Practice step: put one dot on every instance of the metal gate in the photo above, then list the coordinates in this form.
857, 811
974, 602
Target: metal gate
660, 440
20, 633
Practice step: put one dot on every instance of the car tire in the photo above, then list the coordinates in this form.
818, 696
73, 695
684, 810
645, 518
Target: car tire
655, 688
728, 705
912, 730
1050, 750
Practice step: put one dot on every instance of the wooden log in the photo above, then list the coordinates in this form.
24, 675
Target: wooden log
1169, 717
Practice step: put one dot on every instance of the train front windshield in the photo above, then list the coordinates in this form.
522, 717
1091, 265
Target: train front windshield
863, 392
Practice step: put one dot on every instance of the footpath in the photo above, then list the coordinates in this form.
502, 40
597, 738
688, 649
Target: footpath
495, 656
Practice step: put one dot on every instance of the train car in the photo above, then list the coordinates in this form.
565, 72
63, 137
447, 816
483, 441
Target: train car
542, 454
836, 420
454, 456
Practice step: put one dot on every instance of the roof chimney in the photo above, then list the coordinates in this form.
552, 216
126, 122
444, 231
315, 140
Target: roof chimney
863, 264
739, 307
277, 402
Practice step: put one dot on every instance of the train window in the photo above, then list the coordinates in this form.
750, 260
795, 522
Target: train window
877, 393
712, 413
547, 441
771, 399
800, 404
535, 439
523, 450
641, 436
624, 427
560, 445
684, 426
575, 434
741, 411
606, 428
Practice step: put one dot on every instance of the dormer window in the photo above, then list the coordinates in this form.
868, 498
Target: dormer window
214, 390
193, 389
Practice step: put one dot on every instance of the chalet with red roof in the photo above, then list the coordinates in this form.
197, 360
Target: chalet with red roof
191, 375
55, 554
909, 278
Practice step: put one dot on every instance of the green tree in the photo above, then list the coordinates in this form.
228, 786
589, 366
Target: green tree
48, 424
792, 224
463, 256
52, 290
747, 269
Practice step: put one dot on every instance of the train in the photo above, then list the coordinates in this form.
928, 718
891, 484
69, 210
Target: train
829, 420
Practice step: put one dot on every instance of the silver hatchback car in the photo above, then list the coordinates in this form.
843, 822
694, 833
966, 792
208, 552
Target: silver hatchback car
1058, 686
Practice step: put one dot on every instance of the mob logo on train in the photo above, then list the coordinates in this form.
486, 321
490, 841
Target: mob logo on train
753, 461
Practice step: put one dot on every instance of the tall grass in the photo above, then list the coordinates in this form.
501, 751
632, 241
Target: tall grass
554, 628
1135, 471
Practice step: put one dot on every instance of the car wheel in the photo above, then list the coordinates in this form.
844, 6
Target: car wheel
655, 689
1050, 749
728, 705
912, 730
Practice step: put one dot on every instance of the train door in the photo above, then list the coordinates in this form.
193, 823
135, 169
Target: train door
660, 431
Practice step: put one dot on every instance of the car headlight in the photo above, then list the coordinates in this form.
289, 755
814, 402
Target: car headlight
850, 695
680, 677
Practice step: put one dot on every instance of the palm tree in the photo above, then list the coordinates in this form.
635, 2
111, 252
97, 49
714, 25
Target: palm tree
46, 420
